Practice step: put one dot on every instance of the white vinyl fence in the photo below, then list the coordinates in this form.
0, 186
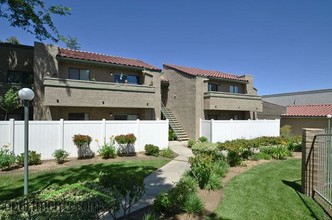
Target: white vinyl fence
226, 130
47, 136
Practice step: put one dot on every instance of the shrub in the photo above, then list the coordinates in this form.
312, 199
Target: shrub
126, 142
34, 158
220, 168
83, 149
127, 188
207, 148
125, 138
201, 167
151, 149
203, 139
261, 156
60, 155
171, 135
191, 143
214, 182
297, 147
278, 152
150, 216
7, 158
107, 151
80, 140
234, 158
193, 204
286, 131
168, 153
79, 194
178, 198
163, 203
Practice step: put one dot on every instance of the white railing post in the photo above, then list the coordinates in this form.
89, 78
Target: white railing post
12, 133
167, 137
61, 133
211, 130
138, 141
104, 130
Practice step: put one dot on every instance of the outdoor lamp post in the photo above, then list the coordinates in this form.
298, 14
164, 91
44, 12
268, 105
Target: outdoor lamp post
26, 95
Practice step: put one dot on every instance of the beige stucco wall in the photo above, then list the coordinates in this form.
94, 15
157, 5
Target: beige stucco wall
299, 123
14, 58
250, 85
185, 99
45, 65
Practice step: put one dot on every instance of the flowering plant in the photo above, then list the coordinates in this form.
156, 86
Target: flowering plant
80, 140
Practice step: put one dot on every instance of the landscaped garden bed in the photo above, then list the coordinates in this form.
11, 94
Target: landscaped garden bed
74, 177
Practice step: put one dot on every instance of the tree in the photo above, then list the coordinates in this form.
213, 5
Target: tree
71, 42
13, 40
9, 101
33, 16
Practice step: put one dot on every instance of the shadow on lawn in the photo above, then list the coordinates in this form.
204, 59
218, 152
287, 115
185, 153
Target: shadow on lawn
69, 176
297, 188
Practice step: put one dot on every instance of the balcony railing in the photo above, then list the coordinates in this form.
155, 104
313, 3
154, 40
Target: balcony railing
232, 101
68, 92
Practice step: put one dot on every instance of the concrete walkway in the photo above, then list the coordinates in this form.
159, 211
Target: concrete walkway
165, 177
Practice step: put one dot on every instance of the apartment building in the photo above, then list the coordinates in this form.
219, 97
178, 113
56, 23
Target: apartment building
79, 85
192, 94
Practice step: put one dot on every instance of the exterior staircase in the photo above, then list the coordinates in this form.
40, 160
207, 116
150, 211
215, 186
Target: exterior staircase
174, 123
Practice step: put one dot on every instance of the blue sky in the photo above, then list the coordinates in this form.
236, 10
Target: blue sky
286, 45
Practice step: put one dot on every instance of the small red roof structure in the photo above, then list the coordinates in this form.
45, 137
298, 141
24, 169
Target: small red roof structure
206, 73
83, 55
321, 110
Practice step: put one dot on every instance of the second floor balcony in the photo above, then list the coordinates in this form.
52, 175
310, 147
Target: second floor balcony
68, 92
232, 101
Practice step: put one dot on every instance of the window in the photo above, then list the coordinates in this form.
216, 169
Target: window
80, 74
125, 117
78, 116
124, 78
20, 77
234, 89
213, 87
133, 79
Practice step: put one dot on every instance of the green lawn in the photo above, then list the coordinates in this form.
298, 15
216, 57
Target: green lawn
11, 184
268, 191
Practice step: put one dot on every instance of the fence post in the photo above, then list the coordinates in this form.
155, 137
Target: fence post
104, 130
167, 126
12, 133
62, 133
211, 130
138, 141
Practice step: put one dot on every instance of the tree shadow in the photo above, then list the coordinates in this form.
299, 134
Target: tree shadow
71, 175
298, 190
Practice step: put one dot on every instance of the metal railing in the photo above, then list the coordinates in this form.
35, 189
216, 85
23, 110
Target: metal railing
323, 167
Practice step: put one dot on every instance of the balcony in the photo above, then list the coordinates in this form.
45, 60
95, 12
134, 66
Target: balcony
80, 93
232, 102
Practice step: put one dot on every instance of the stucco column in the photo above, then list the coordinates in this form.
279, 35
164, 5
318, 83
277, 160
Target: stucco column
309, 160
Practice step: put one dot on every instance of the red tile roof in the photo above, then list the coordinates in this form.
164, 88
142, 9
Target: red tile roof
206, 73
309, 110
82, 55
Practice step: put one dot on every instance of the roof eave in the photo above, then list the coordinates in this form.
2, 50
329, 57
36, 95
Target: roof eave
68, 59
